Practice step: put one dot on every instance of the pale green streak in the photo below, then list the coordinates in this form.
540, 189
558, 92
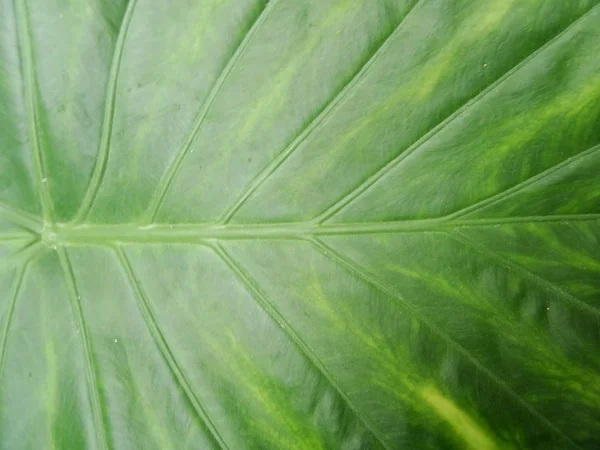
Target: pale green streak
474, 434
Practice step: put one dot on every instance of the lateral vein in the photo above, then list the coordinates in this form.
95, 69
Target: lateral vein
365, 276
164, 348
320, 119
12, 301
171, 173
21, 218
263, 301
348, 198
31, 96
92, 382
101, 163
507, 193
514, 267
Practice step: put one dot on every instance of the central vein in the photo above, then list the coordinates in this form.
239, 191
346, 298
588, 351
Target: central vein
78, 234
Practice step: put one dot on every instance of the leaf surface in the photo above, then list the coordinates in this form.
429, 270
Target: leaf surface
306, 224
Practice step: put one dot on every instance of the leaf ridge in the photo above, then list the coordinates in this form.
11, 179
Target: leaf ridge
365, 276
92, 383
31, 95
101, 162
21, 218
315, 123
194, 232
266, 305
383, 170
26, 253
7, 237
172, 171
537, 279
164, 348
507, 193
12, 301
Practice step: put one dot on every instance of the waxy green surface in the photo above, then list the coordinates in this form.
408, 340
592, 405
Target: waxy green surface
300, 224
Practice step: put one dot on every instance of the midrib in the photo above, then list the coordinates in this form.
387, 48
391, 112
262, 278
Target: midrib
98, 234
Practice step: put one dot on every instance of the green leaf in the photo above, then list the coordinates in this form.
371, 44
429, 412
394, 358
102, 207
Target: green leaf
299, 224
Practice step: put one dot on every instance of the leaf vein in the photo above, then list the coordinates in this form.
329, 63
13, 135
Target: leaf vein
263, 301
542, 282
12, 301
21, 218
348, 198
363, 275
31, 95
92, 383
313, 125
507, 193
173, 169
193, 232
100, 165
164, 348
26, 253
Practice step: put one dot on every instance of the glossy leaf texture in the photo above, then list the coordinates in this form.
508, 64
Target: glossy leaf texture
300, 224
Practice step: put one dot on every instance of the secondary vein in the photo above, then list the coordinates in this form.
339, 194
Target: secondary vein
165, 349
418, 144
514, 267
107, 123
329, 109
31, 96
12, 301
368, 278
506, 193
268, 306
171, 173
21, 218
92, 382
